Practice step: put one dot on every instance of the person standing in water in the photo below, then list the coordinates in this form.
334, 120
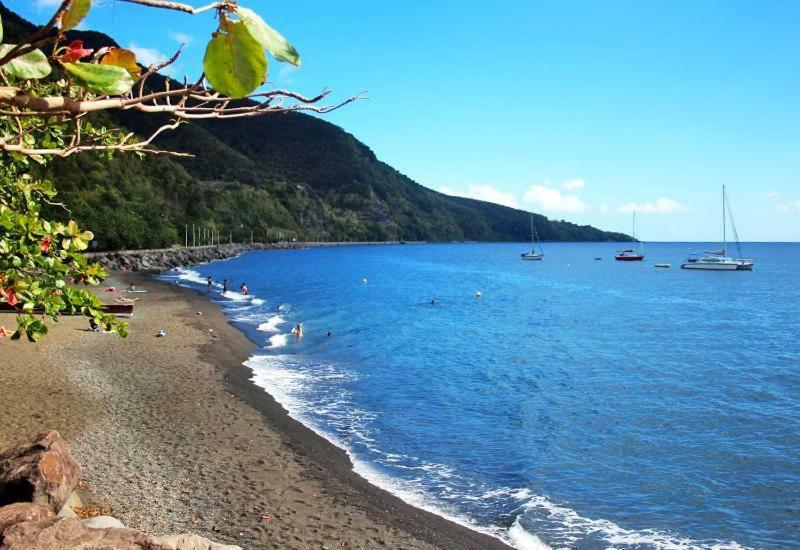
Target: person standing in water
224, 286
297, 331
209, 281
244, 288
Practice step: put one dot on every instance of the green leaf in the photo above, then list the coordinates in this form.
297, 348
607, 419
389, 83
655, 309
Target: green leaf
31, 65
100, 79
235, 63
75, 14
268, 37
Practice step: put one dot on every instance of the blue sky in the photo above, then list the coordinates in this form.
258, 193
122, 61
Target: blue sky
579, 110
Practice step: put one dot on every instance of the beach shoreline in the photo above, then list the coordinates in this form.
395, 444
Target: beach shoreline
335, 466
173, 436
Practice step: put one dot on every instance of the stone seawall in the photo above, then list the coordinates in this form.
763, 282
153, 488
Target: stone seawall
170, 258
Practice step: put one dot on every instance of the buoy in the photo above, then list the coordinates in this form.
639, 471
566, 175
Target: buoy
478, 294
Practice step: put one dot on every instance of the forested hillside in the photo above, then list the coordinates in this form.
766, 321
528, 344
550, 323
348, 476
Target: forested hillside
284, 174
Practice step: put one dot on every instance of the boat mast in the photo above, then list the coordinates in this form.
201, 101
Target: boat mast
724, 228
533, 242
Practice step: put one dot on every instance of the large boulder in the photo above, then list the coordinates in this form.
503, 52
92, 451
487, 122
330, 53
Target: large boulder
20, 512
193, 542
62, 533
40, 470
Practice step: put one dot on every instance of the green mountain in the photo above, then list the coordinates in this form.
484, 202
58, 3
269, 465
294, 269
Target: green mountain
289, 174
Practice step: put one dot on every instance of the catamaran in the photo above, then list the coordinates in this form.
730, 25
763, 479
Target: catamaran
718, 260
631, 255
533, 255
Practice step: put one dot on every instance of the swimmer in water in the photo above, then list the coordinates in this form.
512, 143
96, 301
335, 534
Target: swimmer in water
298, 330
244, 288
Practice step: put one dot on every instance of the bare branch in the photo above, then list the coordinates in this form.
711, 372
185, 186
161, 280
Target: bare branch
185, 8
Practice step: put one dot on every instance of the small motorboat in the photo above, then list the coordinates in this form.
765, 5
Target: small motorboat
664, 265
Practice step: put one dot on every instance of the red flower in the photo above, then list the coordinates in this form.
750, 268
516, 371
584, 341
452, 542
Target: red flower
45, 244
75, 52
11, 297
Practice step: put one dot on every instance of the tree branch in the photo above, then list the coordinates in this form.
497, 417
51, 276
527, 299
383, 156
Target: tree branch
185, 8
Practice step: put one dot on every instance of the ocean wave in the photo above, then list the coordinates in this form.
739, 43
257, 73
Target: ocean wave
278, 340
568, 529
191, 276
272, 324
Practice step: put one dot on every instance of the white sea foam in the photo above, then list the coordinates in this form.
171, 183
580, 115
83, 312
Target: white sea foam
523, 540
278, 340
272, 324
569, 528
257, 302
191, 276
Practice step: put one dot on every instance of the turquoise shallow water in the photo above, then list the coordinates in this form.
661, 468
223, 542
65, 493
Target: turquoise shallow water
576, 403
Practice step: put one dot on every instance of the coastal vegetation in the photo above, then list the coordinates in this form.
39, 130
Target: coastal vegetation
275, 178
52, 105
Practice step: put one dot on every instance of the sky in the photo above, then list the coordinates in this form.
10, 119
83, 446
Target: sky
578, 110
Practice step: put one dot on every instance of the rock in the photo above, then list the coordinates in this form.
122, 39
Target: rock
40, 470
67, 511
103, 522
60, 533
193, 542
20, 512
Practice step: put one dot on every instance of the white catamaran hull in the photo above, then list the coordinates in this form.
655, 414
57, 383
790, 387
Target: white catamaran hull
711, 267
533, 256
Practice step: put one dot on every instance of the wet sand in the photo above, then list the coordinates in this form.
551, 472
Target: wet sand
173, 437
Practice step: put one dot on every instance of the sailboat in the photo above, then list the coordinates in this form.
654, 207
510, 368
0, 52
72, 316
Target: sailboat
718, 260
631, 255
533, 255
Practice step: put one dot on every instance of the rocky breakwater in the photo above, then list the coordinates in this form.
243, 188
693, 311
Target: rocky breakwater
38, 478
170, 258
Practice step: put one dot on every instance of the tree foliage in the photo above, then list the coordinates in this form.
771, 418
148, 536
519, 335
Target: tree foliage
52, 105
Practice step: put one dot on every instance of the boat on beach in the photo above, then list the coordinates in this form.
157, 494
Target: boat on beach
718, 260
533, 254
631, 255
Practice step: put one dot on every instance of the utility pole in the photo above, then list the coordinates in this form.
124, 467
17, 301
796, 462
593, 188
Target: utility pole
193, 237
186, 236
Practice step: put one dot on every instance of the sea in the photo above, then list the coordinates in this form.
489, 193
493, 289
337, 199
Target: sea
574, 402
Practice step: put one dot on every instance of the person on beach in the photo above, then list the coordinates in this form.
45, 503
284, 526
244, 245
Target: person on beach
224, 286
244, 288
297, 331
209, 282
131, 288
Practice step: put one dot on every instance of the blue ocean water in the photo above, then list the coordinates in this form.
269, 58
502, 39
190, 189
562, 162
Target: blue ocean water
576, 403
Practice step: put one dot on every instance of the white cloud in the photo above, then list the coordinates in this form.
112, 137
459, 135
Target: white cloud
772, 194
574, 184
659, 206
181, 37
147, 56
484, 193
552, 200
604, 208
787, 206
